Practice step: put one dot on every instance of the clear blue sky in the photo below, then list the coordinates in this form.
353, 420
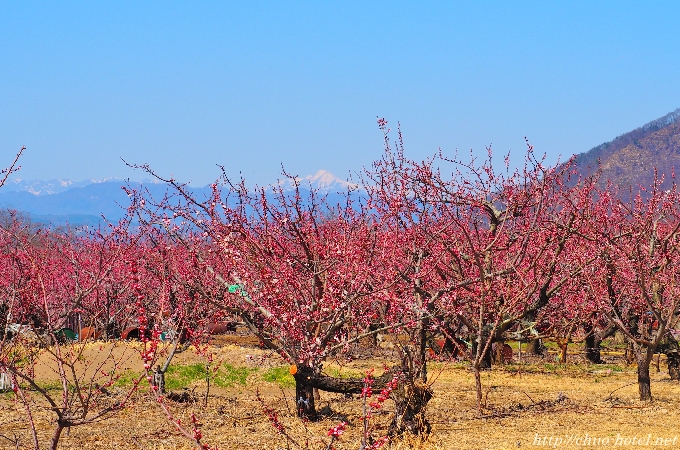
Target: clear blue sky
187, 85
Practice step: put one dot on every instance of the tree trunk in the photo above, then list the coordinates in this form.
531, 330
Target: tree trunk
564, 345
306, 375
497, 353
410, 398
485, 361
159, 379
4, 311
644, 359
421, 344
619, 338
304, 399
421, 362
478, 387
112, 330
55, 436
594, 340
629, 355
593, 349
307, 380
536, 347
673, 359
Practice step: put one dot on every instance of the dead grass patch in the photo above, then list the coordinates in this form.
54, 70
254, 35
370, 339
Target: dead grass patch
523, 403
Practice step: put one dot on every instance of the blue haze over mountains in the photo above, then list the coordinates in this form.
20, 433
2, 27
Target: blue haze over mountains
626, 161
76, 204
63, 202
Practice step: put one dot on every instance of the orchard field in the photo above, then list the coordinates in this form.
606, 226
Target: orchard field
383, 318
522, 400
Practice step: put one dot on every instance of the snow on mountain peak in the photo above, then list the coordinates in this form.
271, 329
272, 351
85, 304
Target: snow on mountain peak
325, 181
49, 187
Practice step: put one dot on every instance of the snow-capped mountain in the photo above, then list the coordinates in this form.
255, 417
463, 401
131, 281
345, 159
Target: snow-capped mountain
84, 202
78, 203
48, 187
322, 180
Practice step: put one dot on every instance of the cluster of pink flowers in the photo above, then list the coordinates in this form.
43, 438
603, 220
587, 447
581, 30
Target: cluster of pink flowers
337, 430
196, 431
385, 393
367, 390
366, 393
198, 435
273, 418
378, 443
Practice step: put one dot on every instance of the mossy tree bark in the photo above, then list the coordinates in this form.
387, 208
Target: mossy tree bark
411, 396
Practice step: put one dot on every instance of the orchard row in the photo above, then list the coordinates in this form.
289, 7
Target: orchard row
438, 248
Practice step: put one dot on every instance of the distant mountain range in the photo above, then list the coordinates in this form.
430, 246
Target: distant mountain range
62, 202
322, 180
76, 204
49, 187
629, 160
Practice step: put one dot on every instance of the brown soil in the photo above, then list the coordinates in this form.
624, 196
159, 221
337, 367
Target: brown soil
525, 406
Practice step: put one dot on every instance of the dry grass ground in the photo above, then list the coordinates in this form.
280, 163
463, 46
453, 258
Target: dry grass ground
522, 410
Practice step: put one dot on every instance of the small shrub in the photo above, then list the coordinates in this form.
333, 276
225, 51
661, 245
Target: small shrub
228, 376
51, 385
126, 379
279, 375
339, 372
179, 377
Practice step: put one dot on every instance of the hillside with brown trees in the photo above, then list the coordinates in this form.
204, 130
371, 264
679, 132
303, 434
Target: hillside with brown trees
629, 161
